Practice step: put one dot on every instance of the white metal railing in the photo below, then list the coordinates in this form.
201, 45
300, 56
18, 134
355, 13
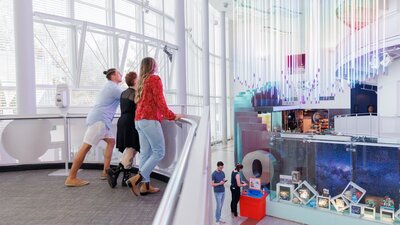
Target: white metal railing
385, 128
189, 182
65, 133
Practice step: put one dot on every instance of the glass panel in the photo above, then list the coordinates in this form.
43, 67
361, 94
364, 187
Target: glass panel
125, 16
170, 31
7, 48
45, 97
153, 25
333, 167
169, 9
55, 7
158, 4
323, 166
83, 97
90, 12
377, 171
374, 170
95, 60
53, 59
8, 102
133, 56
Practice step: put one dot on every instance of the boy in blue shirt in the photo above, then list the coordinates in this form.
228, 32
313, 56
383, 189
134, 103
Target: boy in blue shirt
217, 181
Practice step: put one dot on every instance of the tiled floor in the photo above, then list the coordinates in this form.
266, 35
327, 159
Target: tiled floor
33, 197
225, 153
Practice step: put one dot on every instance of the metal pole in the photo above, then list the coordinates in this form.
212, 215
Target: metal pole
206, 53
223, 79
66, 143
24, 57
231, 75
181, 53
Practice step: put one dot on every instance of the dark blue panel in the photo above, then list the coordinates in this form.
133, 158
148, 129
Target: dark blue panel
333, 168
377, 171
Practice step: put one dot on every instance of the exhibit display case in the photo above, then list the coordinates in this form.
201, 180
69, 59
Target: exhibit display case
361, 177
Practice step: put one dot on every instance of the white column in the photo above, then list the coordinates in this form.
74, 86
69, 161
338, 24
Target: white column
180, 61
114, 57
206, 54
231, 75
24, 57
388, 100
223, 79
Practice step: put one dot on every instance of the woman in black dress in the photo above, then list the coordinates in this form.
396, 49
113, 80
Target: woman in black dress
127, 135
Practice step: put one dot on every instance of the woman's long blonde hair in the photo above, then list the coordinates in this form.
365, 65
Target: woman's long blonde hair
148, 67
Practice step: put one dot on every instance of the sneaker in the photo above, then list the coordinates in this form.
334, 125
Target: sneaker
221, 221
133, 183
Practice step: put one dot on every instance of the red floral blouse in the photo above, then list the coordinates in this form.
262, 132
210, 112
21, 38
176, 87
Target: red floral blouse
152, 105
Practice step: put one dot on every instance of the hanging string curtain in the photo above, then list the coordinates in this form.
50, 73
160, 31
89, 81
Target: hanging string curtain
307, 51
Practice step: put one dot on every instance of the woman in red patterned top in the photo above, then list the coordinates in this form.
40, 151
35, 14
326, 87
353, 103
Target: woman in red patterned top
151, 108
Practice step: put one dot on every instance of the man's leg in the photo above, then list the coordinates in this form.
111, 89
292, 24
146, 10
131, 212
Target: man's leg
78, 160
107, 155
222, 204
218, 198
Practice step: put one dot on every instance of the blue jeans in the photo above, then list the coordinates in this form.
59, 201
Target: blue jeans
152, 146
219, 197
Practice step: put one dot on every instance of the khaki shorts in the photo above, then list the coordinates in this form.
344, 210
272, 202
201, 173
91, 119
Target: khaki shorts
97, 132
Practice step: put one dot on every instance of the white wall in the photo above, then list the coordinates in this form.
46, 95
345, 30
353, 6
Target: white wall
388, 94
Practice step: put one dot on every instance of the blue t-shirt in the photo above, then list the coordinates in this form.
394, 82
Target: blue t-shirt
216, 177
107, 101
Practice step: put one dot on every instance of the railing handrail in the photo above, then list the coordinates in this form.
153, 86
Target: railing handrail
170, 198
342, 139
28, 117
359, 114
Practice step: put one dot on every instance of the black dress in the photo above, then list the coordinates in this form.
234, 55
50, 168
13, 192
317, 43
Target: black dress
127, 135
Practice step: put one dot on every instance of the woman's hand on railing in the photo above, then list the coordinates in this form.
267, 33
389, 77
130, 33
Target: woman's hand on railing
178, 116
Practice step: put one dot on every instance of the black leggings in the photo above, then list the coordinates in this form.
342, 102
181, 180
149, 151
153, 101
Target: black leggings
235, 199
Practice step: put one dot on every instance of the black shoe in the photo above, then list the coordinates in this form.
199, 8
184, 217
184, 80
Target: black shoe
127, 175
112, 176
